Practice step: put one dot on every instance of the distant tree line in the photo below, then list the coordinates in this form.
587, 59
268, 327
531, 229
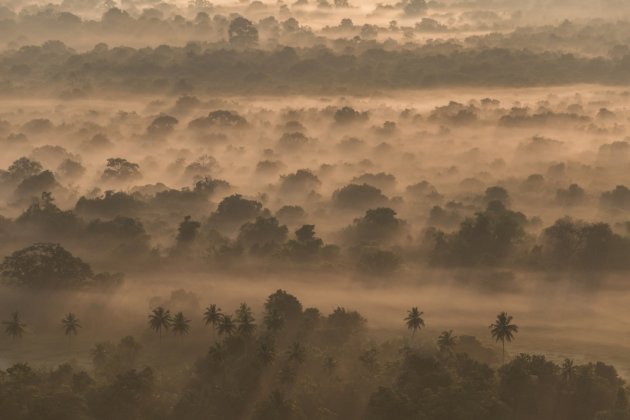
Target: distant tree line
195, 67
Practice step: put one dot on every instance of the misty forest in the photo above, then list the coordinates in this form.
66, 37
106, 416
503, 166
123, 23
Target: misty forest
314, 209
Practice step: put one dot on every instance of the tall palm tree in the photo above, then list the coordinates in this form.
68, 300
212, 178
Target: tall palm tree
226, 326
503, 330
160, 319
414, 320
15, 328
212, 316
446, 343
245, 320
180, 325
71, 325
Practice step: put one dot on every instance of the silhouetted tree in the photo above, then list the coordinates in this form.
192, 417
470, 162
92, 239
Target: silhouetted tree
446, 343
180, 325
266, 353
414, 320
242, 33
160, 319
45, 265
245, 320
503, 330
71, 325
212, 316
226, 325
14, 327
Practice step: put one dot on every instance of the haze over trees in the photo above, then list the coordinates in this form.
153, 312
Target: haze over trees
314, 209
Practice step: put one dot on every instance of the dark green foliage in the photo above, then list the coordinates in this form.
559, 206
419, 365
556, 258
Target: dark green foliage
358, 197
121, 170
233, 211
488, 238
263, 233
568, 243
46, 266
242, 33
378, 226
109, 205
308, 69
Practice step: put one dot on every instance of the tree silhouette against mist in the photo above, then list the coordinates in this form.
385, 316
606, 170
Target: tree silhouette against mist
180, 325
245, 320
226, 325
160, 319
503, 330
446, 343
266, 353
71, 325
15, 328
414, 320
212, 316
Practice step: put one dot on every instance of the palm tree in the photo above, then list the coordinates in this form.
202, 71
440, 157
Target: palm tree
503, 330
212, 316
414, 320
226, 326
446, 343
266, 353
180, 325
15, 328
71, 325
160, 319
245, 320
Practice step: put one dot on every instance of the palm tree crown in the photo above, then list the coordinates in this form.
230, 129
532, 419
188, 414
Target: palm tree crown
414, 320
212, 315
503, 330
160, 319
446, 342
71, 324
180, 325
226, 326
15, 328
245, 319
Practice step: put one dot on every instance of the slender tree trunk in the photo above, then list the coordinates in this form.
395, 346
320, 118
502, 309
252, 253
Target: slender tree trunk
503, 359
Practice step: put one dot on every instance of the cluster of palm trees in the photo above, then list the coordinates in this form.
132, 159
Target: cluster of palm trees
15, 328
502, 330
160, 319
